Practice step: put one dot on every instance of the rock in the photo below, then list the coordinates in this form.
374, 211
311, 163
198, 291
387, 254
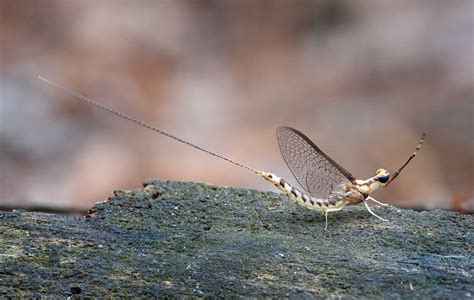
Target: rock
175, 239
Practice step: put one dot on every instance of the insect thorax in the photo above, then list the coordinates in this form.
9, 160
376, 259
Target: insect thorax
353, 196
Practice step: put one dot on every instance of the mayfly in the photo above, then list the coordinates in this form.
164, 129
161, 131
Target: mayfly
328, 186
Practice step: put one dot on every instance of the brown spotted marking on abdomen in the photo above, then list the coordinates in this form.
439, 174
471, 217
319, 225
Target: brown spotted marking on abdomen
296, 195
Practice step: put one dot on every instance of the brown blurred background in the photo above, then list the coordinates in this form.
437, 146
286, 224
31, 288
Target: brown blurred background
363, 79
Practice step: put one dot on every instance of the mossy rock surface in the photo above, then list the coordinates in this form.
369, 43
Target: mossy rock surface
187, 239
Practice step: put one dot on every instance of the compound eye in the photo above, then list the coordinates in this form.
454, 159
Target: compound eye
384, 179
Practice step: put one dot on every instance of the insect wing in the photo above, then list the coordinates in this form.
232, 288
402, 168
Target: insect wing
316, 172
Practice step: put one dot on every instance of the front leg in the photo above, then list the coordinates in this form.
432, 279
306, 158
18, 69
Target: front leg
383, 204
370, 211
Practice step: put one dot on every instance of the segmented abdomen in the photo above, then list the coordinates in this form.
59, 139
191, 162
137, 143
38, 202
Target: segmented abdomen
298, 196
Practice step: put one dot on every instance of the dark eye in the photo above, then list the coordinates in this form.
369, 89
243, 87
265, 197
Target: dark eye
384, 179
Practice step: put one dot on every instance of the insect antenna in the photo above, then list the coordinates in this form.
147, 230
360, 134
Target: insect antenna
140, 123
395, 175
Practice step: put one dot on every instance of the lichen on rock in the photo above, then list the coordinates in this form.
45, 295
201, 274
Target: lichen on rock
177, 238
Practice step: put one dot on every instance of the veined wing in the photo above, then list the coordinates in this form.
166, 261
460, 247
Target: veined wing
316, 172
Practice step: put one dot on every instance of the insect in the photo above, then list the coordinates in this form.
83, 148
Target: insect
328, 186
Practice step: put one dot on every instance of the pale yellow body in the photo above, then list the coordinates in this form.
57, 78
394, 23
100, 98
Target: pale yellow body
351, 193
303, 199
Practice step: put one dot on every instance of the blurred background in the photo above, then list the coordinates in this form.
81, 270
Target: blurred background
362, 79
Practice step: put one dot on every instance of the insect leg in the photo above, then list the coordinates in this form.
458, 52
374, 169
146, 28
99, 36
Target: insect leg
383, 204
370, 211
395, 175
326, 215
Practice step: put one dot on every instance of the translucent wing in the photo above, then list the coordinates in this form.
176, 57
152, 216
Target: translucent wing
316, 172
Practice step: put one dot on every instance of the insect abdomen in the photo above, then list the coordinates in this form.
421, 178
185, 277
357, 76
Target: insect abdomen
296, 195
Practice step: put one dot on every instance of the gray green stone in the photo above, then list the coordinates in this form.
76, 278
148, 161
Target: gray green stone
187, 239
